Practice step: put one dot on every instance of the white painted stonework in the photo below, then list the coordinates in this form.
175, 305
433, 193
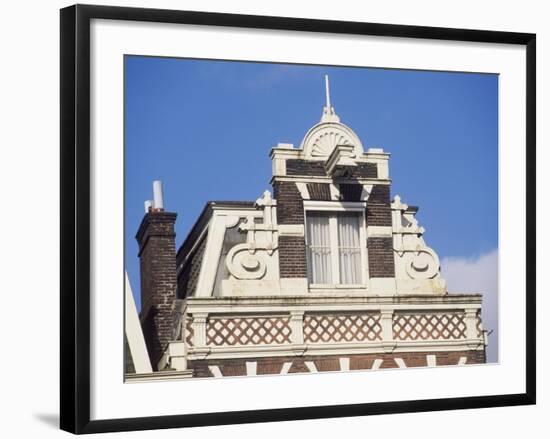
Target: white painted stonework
133, 332
416, 265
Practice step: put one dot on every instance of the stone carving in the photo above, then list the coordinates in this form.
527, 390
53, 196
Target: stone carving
417, 259
321, 140
243, 263
250, 260
325, 143
422, 264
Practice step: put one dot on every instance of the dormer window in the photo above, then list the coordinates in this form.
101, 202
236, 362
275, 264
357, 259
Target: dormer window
336, 244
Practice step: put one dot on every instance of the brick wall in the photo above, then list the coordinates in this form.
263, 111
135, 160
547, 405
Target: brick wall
325, 363
292, 249
292, 257
317, 169
351, 192
378, 206
305, 167
381, 262
290, 207
157, 253
188, 276
319, 191
363, 170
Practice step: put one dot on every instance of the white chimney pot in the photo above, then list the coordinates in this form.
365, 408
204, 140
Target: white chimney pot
148, 205
157, 195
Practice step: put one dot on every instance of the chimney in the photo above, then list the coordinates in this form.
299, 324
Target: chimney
157, 254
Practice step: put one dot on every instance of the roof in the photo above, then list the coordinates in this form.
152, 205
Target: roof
203, 220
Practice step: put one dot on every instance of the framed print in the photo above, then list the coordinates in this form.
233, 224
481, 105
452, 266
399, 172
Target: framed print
274, 218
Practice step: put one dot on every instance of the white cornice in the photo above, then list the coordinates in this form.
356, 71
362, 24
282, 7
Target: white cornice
333, 349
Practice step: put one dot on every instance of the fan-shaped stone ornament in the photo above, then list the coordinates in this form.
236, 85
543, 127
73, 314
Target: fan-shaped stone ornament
321, 140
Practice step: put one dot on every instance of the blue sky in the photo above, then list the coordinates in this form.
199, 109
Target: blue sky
205, 128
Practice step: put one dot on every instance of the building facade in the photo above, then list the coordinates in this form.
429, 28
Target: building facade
325, 273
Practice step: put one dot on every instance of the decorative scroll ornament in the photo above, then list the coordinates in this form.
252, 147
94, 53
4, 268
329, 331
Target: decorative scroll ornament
249, 260
420, 261
422, 264
244, 265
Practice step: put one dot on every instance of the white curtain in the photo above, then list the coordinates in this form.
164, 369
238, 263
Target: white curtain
318, 235
349, 249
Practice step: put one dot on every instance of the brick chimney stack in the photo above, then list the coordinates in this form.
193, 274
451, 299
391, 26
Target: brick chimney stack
157, 254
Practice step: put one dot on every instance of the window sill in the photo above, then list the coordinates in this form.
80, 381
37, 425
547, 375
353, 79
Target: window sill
338, 287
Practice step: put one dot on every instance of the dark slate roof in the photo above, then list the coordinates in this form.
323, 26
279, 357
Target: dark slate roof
202, 220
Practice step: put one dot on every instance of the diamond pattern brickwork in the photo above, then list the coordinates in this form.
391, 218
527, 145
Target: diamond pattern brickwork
434, 326
189, 332
230, 331
479, 327
319, 328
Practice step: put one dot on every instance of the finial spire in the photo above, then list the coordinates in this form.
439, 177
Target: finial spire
327, 91
328, 112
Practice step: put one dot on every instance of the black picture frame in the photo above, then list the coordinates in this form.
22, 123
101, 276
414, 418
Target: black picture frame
75, 217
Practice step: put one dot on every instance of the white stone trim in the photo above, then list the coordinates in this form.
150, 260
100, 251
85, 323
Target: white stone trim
176, 356
321, 179
291, 229
431, 360
199, 329
326, 302
297, 327
211, 256
284, 152
462, 361
302, 188
383, 285
278, 167
221, 219
400, 363
251, 367
293, 286
328, 349
386, 322
341, 155
334, 192
164, 375
134, 334
471, 323
376, 364
338, 206
380, 231
311, 366
344, 364
366, 191
361, 307
286, 367
376, 153
215, 370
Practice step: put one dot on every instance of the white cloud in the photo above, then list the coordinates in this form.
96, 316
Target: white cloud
477, 275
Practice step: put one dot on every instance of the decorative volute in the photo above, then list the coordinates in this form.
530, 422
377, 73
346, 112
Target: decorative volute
321, 139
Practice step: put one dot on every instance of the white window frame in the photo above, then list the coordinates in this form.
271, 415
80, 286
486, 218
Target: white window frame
340, 206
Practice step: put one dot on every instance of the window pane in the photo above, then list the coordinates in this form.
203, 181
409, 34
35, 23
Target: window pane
349, 248
319, 258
